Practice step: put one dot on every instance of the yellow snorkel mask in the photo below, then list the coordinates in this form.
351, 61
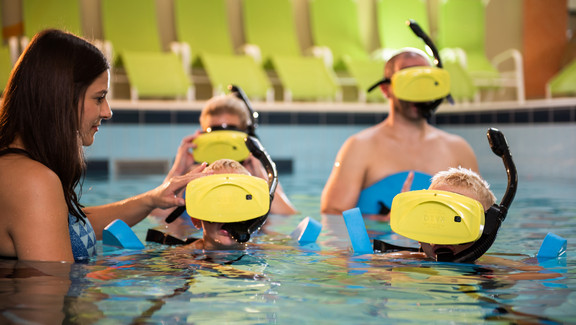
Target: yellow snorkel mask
421, 84
242, 202
438, 217
227, 198
226, 141
425, 86
221, 144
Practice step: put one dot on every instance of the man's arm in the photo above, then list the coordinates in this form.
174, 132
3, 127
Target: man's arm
343, 187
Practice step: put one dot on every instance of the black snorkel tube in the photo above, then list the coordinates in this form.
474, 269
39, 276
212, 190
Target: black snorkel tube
496, 213
251, 128
242, 230
426, 109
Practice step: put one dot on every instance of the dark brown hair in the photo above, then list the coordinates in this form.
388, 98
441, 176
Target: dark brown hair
41, 100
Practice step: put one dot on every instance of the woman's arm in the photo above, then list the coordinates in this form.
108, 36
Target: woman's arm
134, 209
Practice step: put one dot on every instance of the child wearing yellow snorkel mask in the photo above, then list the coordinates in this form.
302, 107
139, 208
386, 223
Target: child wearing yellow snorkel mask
418, 214
464, 182
216, 236
469, 191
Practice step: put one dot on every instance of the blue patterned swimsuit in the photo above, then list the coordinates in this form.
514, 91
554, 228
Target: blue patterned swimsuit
82, 236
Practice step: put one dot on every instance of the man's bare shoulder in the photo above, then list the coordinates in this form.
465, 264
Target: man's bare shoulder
447, 137
370, 134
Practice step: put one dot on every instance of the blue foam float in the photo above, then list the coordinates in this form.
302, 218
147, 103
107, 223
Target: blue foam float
357, 231
374, 197
553, 246
119, 234
307, 231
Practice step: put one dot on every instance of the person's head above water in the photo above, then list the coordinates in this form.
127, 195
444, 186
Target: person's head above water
464, 182
413, 87
226, 110
54, 102
215, 236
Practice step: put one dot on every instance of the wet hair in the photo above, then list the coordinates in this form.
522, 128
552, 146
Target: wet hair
226, 104
223, 166
42, 100
466, 179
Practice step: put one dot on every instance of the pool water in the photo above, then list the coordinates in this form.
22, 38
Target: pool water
281, 282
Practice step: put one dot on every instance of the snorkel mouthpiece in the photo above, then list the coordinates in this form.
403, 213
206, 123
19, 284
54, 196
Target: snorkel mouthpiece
426, 109
242, 230
444, 255
238, 231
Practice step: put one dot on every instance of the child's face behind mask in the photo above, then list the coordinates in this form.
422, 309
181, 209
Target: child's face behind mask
217, 238
432, 250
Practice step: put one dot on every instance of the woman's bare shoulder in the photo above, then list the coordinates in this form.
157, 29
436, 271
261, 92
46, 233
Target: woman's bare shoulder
26, 180
23, 172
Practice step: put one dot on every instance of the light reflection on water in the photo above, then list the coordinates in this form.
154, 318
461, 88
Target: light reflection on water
282, 282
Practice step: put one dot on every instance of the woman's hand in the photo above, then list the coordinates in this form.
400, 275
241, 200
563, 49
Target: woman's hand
169, 193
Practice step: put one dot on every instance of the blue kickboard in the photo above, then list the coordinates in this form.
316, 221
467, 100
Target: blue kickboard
119, 234
357, 231
307, 231
384, 191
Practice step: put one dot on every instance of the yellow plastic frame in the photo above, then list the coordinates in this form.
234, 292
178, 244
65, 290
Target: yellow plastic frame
421, 84
437, 217
227, 198
221, 144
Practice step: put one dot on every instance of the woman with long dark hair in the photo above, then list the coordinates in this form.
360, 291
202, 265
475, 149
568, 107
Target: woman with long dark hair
53, 105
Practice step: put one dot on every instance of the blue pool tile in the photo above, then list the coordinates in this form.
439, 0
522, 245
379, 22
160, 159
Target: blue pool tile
157, 117
187, 117
522, 117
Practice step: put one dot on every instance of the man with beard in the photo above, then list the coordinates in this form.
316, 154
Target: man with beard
404, 145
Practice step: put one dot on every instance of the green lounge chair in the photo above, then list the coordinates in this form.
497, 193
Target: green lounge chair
131, 27
202, 28
269, 25
61, 14
461, 35
563, 83
335, 28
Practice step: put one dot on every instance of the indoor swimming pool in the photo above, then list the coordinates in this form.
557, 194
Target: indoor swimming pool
282, 282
